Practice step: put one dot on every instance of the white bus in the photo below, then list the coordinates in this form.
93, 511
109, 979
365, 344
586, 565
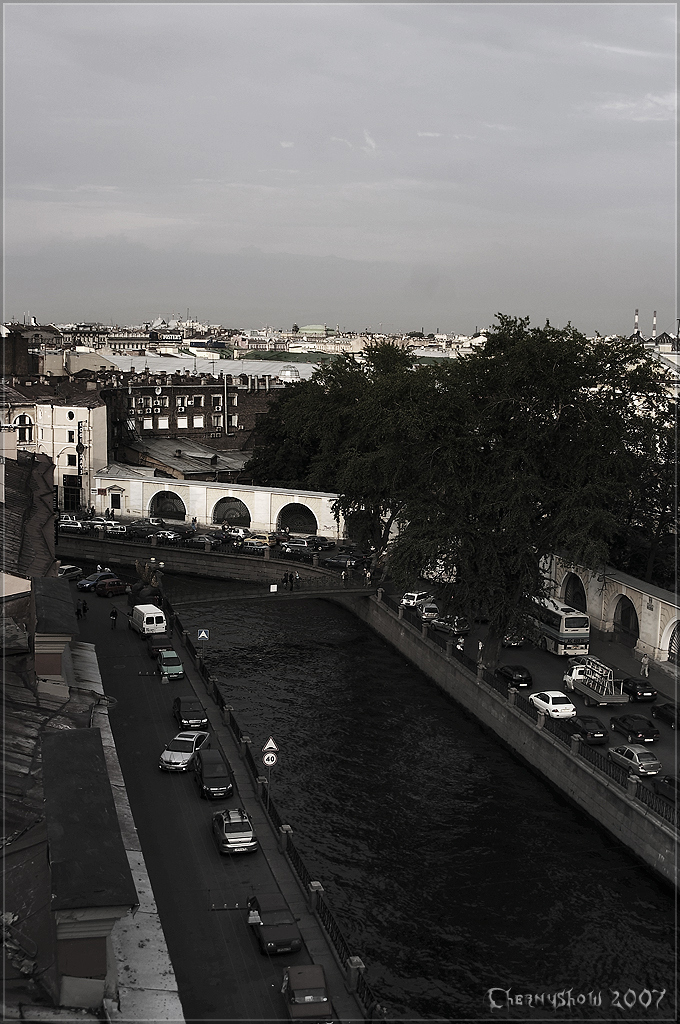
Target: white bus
559, 627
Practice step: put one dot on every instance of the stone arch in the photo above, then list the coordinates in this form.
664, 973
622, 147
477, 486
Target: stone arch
231, 511
573, 592
168, 505
670, 641
297, 518
626, 623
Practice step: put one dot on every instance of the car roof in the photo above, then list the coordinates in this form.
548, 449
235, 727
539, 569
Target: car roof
306, 976
554, 693
271, 901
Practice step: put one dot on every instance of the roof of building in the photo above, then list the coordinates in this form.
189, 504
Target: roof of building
46, 391
81, 818
28, 516
54, 610
189, 457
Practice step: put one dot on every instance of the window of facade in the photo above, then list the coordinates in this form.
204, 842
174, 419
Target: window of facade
163, 423
233, 399
163, 401
71, 437
131, 403
115, 500
181, 401
146, 401
71, 460
182, 422
24, 425
217, 421
71, 415
147, 423
198, 401
198, 421
217, 401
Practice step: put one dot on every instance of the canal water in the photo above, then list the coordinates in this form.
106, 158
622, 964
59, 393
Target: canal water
453, 869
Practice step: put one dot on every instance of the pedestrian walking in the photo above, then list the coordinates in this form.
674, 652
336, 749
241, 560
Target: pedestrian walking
79, 610
99, 568
107, 514
297, 580
85, 609
113, 616
644, 666
284, 580
344, 578
368, 577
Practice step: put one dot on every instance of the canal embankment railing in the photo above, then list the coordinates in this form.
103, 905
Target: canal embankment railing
639, 818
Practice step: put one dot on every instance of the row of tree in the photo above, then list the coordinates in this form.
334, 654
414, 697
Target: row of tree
542, 442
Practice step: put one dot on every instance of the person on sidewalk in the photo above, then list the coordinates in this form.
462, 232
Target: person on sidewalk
113, 616
79, 610
644, 666
85, 609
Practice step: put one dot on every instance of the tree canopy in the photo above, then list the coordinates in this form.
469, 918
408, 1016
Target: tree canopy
542, 442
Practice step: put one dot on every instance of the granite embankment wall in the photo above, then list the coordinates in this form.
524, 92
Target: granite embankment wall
634, 824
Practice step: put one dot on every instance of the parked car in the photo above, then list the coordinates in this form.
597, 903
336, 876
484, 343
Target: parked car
512, 640
200, 540
667, 785
241, 532
116, 528
157, 642
635, 728
252, 544
213, 774
321, 543
190, 713
412, 598
667, 713
294, 543
71, 526
515, 675
170, 664
428, 611
638, 689
70, 572
268, 538
233, 831
90, 582
110, 587
297, 554
553, 703
99, 523
636, 758
589, 729
168, 537
179, 753
456, 625
346, 560
306, 994
274, 924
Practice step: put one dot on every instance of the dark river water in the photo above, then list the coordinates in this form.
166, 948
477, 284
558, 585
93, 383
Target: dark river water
452, 869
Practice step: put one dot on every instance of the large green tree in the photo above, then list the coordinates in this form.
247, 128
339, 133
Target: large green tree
543, 442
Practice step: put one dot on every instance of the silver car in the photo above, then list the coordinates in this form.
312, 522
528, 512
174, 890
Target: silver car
180, 752
636, 759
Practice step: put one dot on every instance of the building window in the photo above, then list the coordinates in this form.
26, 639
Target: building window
71, 415
146, 401
198, 421
181, 401
115, 500
131, 403
233, 399
163, 423
198, 401
24, 425
164, 401
71, 460
217, 421
217, 401
71, 437
182, 422
147, 423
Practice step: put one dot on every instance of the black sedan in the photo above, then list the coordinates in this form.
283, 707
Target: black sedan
589, 729
274, 924
667, 785
635, 728
514, 675
347, 560
202, 540
189, 713
638, 689
667, 712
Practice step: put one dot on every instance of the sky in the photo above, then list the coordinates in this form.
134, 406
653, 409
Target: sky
395, 167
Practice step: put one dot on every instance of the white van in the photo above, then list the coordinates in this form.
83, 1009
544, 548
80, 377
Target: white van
147, 618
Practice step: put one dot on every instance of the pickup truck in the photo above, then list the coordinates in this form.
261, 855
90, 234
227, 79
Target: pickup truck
595, 681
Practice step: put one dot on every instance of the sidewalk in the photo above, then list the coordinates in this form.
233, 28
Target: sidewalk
662, 676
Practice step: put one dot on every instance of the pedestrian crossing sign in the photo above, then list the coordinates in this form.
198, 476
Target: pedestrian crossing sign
204, 634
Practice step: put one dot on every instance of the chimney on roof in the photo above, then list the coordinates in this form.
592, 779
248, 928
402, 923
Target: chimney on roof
178, 452
654, 325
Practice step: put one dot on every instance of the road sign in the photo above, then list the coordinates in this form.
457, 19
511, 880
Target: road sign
270, 745
269, 759
204, 634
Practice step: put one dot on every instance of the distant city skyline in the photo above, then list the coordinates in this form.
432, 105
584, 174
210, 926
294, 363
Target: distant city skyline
396, 167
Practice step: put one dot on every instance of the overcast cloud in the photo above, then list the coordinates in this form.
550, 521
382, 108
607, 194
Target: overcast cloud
405, 165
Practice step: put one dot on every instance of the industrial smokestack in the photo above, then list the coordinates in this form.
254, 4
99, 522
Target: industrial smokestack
637, 325
654, 325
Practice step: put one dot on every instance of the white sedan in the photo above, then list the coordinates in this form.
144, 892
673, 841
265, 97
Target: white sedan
553, 703
179, 754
